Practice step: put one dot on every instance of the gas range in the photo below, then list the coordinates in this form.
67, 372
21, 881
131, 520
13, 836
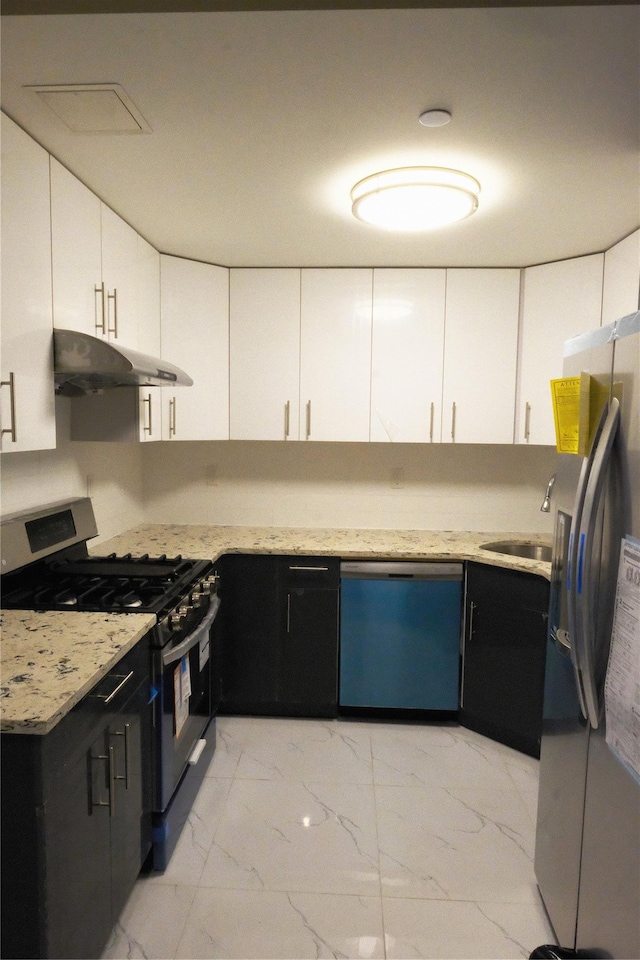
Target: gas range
50, 569
46, 566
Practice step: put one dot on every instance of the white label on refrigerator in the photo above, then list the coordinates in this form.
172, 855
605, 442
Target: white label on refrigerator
622, 685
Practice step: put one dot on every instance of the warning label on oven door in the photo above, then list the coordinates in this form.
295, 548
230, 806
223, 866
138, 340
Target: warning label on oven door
181, 693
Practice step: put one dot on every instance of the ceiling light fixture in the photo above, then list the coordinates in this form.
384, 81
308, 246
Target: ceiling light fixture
415, 198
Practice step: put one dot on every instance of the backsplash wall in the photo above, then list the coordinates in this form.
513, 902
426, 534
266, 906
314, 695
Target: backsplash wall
474, 487
439, 487
110, 473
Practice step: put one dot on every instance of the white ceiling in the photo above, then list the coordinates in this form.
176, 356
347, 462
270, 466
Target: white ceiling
262, 121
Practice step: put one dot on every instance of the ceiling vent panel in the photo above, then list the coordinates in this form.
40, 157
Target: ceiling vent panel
93, 108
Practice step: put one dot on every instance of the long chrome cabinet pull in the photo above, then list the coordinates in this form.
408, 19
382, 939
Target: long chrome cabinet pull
11, 383
114, 296
307, 568
527, 421
308, 419
109, 697
112, 781
126, 733
287, 416
288, 613
431, 417
172, 417
100, 323
453, 421
145, 428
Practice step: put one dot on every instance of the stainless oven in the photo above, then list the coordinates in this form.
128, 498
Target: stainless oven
46, 566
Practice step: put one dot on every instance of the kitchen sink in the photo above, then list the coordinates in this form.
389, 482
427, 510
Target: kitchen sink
530, 551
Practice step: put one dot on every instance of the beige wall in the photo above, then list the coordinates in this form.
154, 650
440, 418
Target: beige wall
472, 487
110, 473
467, 487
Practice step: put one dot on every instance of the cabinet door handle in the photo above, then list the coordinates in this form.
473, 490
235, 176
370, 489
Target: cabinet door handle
472, 610
288, 613
100, 803
307, 568
112, 781
431, 418
308, 419
109, 697
11, 383
527, 421
126, 733
114, 296
453, 421
287, 416
100, 323
148, 429
172, 417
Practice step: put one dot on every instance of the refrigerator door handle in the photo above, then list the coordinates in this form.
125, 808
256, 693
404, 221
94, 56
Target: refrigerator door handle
572, 579
586, 595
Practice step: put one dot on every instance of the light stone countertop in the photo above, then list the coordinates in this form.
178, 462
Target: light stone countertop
50, 660
211, 542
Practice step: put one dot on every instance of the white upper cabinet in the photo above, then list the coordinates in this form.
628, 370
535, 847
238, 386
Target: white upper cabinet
194, 305
148, 315
335, 354
76, 253
94, 255
264, 353
621, 290
119, 277
480, 354
27, 404
407, 355
560, 300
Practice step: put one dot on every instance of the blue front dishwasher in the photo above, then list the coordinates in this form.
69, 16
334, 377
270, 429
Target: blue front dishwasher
400, 635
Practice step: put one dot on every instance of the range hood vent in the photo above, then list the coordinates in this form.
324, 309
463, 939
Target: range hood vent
85, 364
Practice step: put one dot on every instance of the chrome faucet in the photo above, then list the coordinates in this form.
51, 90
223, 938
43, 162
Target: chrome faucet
546, 503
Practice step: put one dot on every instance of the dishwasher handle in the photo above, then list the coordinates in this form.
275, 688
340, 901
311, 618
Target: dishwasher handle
399, 570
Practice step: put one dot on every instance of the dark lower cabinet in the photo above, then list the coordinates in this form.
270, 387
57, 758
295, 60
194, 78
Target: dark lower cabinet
76, 821
504, 655
280, 628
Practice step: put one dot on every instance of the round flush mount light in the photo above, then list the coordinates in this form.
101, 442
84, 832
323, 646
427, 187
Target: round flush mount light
415, 198
434, 118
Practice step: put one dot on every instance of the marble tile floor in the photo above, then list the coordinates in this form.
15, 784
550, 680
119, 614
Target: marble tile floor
320, 839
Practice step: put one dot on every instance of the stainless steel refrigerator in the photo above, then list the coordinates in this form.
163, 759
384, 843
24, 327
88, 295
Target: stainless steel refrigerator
587, 857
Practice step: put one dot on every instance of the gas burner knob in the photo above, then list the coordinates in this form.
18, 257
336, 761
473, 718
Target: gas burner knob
175, 622
185, 611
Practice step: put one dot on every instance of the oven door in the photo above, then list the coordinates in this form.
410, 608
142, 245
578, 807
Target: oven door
184, 705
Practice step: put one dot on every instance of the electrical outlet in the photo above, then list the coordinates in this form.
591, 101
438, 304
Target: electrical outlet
397, 477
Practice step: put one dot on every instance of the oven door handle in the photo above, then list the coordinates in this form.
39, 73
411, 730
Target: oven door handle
178, 652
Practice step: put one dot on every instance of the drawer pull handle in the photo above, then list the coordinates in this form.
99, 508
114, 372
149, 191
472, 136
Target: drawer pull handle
109, 697
308, 568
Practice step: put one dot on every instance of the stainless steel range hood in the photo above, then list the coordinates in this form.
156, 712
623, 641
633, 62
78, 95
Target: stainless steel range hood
85, 364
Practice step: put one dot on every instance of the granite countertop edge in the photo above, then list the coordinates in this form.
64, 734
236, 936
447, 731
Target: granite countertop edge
51, 660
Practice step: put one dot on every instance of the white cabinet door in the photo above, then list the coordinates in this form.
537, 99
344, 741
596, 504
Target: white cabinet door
76, 254
335, 354
559, 301
407, 355
620, 294
480, 354
264, 354
94, 257
148, 315
119, 275
27, 403
194, 307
